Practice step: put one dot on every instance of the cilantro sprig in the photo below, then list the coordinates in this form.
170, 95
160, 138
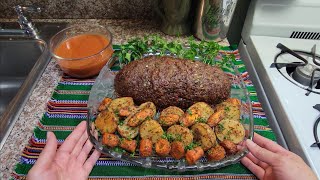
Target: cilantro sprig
192, 145
193, 49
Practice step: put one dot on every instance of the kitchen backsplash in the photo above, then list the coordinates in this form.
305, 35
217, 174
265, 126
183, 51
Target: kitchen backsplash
87, 9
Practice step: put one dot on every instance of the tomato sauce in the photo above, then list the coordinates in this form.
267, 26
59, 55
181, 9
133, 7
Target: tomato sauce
83, 55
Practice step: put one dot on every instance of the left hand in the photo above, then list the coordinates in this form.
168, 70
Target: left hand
69, 161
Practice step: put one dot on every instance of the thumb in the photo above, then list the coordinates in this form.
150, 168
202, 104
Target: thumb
261, 153
48, 153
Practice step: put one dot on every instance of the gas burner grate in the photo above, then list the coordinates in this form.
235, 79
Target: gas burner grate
301, 68
305, 35
315, 128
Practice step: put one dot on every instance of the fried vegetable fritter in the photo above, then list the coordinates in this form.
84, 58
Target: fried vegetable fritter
170, 116
204, 135
177, 150
110, 140
162, 147
193, 155
137, 118
191, 134
229, 146
198, 112
120, 103
107, 122
128, 145
216, 153
127, 131
234, 101
179, 133
151, 129
127, 111
230, 130
104, 104
228, 110
145, 147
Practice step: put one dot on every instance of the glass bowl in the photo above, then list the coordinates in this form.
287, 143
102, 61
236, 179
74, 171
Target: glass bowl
104, 87
81, 51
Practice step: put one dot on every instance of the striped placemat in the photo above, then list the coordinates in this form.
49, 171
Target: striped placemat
66, 109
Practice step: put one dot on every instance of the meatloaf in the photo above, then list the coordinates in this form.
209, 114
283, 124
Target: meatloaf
168, 81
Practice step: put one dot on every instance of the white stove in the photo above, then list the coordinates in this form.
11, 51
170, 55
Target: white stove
283, 81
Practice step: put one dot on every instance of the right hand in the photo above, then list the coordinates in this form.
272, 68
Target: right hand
268, 160
70, 161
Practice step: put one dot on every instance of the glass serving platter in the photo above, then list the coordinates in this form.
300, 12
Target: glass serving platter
104, 87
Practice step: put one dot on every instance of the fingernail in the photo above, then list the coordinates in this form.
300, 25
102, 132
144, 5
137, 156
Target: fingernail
49, 134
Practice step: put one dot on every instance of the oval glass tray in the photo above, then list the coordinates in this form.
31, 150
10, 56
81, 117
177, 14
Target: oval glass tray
104, 87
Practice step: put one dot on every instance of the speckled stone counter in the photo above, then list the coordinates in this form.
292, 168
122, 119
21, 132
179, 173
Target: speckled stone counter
122, 31
77, 9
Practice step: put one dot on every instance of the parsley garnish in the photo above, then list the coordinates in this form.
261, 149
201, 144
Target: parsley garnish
178, 137
121, 122
168, 137
220, 127
201, 120
189, 111
192, 145
116, 112
132, 154
119, 150
192, 49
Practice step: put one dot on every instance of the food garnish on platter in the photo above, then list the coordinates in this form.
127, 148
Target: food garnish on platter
149, 136
170, 111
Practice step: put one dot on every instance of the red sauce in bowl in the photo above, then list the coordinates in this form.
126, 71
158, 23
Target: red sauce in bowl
83, 55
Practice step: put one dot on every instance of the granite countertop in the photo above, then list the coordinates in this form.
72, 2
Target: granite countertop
122, 31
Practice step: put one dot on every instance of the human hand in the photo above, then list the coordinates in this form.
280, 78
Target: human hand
268, 160
69, 161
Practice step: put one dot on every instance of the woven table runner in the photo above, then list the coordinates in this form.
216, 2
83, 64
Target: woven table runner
66, 109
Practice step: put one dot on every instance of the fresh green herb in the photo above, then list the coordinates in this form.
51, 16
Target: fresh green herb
138, 139
121, 122
227, 108
132, 154
119, 150
201, 120
116, 112
192, 49
227, 136
134, 49
220, 127
99, 133
162, 122
178, 137
182, 124
226, 61
121, 139
229, 133
189, 111
168, 137
192, 145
